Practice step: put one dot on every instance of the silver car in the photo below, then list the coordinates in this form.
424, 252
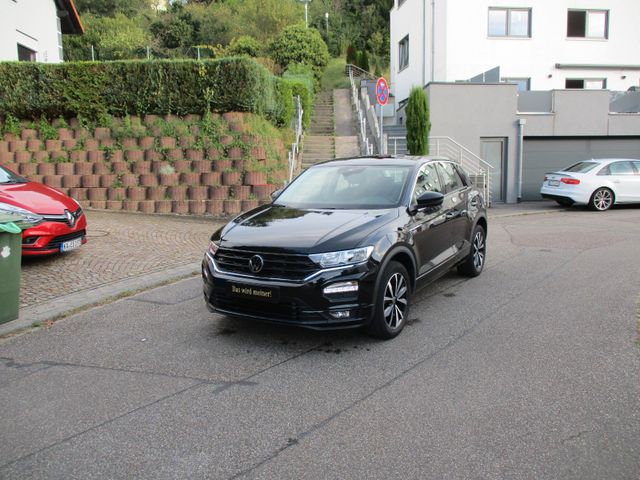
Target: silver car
597, 183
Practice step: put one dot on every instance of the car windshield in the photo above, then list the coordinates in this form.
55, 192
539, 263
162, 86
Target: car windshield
340, 186
6, 176
581, 167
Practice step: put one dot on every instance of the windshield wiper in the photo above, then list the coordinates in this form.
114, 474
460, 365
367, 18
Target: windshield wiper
11, 182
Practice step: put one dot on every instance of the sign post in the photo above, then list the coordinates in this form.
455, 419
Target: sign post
382, 94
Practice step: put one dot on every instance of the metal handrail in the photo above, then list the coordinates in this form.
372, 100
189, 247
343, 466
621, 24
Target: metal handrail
364, 111
293, 154
454, 151
355, 71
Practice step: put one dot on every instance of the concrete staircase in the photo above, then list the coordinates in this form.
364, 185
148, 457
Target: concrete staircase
319, 143
347, 144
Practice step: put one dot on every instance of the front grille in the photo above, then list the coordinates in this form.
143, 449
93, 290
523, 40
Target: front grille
276, 265
57, 241
62, 218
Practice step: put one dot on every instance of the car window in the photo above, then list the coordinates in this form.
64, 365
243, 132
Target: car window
7, 176
637, 165
427, 181
347, 186
618, 168
580, 167
450, 178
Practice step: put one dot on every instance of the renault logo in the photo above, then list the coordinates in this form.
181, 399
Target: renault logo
256, 263
71, 219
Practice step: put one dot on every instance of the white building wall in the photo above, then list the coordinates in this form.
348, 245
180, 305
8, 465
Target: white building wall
407, 20
463, 48
32, 23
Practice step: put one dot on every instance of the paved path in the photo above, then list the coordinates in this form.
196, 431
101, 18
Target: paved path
529, 371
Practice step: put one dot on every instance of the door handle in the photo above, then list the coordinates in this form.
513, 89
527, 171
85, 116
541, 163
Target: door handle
616, 181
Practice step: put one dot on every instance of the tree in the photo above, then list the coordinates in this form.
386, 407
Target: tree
363, 61
298, 44
109, 8
418, 124
113, 38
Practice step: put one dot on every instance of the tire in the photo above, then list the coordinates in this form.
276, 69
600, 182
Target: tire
391, 303
473, 265
602, 199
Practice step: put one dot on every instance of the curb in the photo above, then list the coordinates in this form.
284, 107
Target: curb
523, 213
73, 302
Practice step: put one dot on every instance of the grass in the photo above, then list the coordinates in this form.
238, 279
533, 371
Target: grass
334, 76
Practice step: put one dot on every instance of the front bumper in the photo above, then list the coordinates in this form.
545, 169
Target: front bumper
300, 304
46, 238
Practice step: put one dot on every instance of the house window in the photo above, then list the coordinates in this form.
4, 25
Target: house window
586, 83
403, 53
60, 52
510, 22
588, 24
524, 84
26, 54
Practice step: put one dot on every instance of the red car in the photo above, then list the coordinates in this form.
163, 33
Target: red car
55, 222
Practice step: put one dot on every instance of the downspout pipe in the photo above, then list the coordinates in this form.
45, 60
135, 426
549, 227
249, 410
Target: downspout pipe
433, 39
521, 123
424, 42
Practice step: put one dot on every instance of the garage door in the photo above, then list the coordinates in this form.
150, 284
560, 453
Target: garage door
542, 155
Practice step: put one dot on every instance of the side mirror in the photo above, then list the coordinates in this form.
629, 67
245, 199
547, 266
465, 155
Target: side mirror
429, 200
276, 194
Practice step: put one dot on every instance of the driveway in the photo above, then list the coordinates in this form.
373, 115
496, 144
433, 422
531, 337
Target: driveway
528, 371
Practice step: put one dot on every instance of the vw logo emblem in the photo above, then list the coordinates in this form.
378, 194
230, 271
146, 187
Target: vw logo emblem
71, 220
256, 263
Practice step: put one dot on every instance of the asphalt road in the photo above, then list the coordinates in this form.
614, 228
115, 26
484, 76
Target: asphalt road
529, 371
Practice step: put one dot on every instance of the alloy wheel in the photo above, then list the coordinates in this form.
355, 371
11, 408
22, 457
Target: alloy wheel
395, 301
602, 199
478, 250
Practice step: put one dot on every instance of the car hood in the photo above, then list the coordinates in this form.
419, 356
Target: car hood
37, 198
279, 228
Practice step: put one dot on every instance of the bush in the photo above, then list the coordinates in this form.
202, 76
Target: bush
302, 83
94, 90
245, 45
418, 124
298, 44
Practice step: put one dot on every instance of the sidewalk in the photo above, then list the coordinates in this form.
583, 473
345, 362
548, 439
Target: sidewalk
128, 252
125, 252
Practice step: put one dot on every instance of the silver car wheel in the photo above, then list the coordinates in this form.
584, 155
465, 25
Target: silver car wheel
395, 301
602, 199
478, 250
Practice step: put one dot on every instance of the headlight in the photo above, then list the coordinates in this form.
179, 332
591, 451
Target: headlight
213, 247
344, 257
30, 218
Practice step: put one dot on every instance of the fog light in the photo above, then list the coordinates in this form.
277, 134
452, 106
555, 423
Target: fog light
341, 314
343, 287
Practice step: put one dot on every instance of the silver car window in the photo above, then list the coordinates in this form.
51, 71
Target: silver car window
621, 168
427, 181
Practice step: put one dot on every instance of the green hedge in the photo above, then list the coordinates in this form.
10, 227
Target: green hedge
160, 87
302, 82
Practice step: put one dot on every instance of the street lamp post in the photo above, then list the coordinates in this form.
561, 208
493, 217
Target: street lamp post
306, 15
326, 19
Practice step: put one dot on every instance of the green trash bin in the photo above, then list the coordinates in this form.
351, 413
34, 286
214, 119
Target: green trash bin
10, 264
